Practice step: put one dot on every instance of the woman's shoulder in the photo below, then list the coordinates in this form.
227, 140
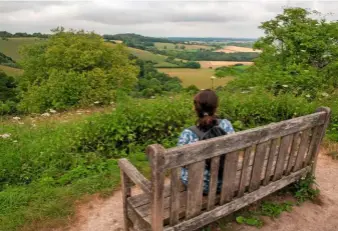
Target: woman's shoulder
187, 137
226, 125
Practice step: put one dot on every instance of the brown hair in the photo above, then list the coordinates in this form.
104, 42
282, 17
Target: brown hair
206, 103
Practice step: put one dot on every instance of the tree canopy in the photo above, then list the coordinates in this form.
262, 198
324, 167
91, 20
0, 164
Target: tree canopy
73, 68
299, 54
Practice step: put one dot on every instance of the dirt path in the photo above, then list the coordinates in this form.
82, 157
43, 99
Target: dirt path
106, 214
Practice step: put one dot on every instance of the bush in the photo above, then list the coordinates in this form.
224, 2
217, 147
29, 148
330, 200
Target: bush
73, 68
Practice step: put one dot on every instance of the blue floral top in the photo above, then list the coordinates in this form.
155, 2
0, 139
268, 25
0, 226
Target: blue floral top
189, 137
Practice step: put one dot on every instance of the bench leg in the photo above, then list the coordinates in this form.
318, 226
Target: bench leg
126, 192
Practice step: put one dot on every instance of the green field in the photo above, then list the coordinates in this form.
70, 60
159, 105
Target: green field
11, 71
11, 46
198, 77
171, 46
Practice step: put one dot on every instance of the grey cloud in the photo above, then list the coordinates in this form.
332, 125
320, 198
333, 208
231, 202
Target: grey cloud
155, 18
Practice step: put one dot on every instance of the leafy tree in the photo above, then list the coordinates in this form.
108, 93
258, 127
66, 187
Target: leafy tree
73, 68
299, 54
7, 87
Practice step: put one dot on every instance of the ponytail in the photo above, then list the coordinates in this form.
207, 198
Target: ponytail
206, 103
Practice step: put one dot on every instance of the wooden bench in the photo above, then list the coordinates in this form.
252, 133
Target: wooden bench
257, 163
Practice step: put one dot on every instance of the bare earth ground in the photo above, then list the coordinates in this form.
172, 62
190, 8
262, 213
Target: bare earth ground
106, 214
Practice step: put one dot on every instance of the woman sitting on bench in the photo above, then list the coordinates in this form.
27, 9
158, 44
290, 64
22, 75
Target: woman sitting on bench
208, 126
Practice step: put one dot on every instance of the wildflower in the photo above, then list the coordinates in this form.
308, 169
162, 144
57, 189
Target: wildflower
212, 77
308, 96
45, 114
15, 141
245, 92
153, 97
52, 111
325, 94
33, 125
251, 87
16, 118
21, 123
111, 102
285, 85
5, 136
96, 102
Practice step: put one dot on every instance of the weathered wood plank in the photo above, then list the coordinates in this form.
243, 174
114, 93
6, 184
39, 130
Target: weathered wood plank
244, 171
303, 148
315, 140
229, 176
293, 153
314, 158
191, 153
135, 175
221, 211
175, 193
126, 192
156, 155
270, 168
257, 168
283, 151
213, 182
195, 188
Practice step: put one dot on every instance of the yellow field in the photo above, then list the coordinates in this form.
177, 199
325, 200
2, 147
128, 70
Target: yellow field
236, 49
11, 71
198, 77
171, 46
215, 64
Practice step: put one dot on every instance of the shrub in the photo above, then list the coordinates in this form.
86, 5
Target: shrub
73, 68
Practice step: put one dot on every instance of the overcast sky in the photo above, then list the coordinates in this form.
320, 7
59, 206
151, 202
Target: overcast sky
209, 18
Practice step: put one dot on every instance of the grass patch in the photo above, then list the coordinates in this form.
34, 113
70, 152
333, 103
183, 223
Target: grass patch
11, 46
11, 70
198, 77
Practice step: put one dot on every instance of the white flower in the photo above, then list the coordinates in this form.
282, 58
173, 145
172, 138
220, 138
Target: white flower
96, 102
16, 118
33, 125
111, 102
212, 77
285, 85
308, 96
52, 111
251, 87
45, 114
15, 141
5, 136
153, 97
79, 113
245, 92
325, 94
21, 123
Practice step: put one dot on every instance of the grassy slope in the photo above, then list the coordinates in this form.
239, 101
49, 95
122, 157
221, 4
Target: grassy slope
11, 71
11, 47
198, 77
48, 203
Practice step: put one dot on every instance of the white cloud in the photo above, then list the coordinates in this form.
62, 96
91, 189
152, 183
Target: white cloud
152, 17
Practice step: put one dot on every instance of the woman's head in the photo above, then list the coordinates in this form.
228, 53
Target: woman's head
206, 103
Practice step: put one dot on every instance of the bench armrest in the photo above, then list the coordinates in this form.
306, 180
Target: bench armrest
134, 175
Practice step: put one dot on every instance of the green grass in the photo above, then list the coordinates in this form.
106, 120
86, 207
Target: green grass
11, 46
45, 175
11, 70
198, 77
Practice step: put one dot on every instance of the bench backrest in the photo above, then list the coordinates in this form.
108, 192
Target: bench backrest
254, 158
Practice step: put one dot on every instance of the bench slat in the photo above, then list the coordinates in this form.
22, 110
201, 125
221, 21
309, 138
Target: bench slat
314, 143
213, 182
270, 167
293, 154
175, 182
303, 148
284, 149
244, 172
257, 168
229, 176
195, 188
